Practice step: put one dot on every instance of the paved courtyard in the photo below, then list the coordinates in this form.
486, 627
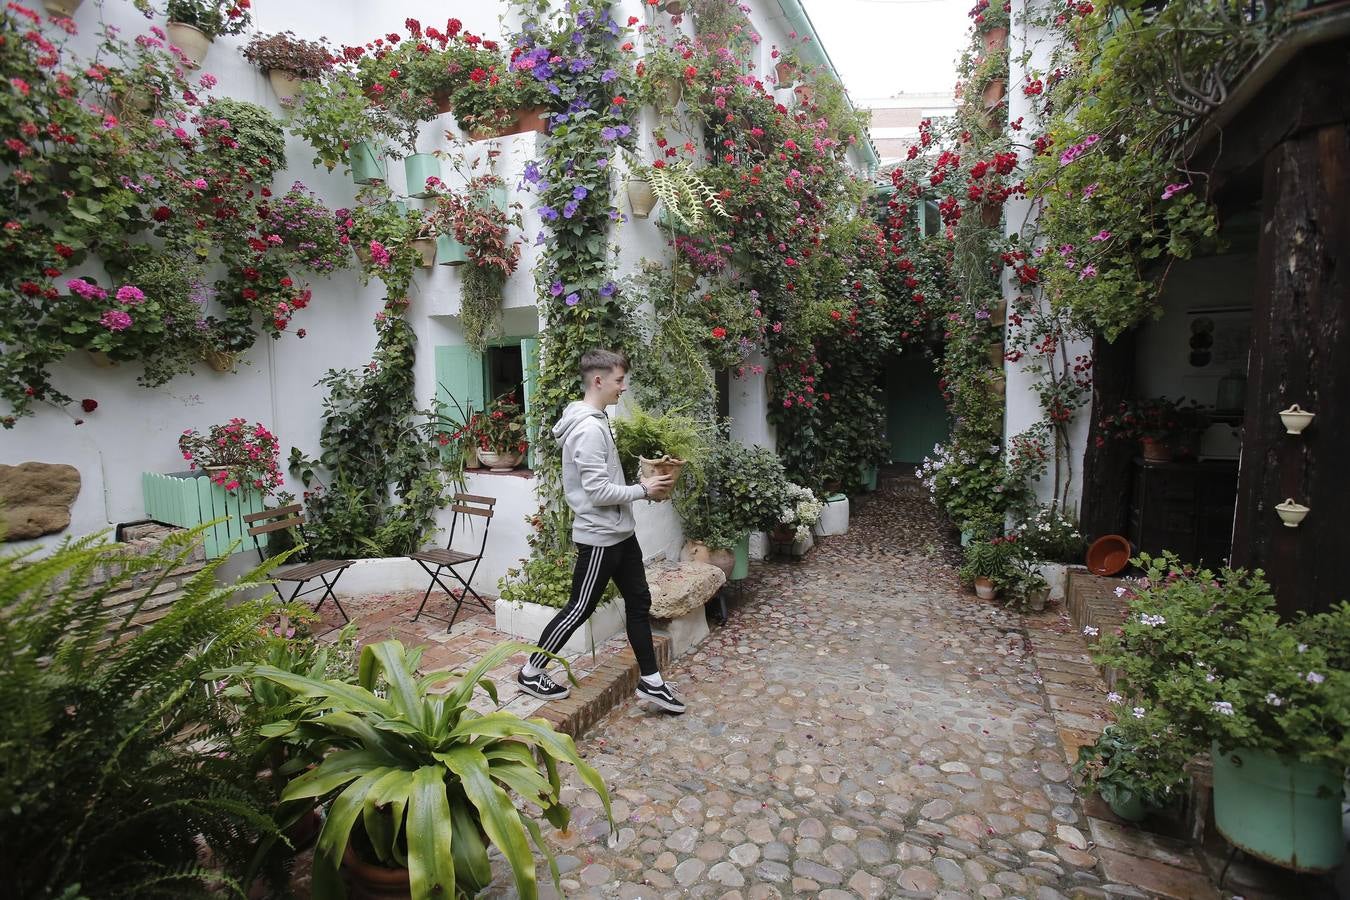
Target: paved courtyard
861, 728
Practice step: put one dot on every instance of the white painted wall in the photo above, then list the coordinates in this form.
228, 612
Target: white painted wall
135, 429
1023, 408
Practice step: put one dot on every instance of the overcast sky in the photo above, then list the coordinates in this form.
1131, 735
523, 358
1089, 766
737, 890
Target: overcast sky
882, 47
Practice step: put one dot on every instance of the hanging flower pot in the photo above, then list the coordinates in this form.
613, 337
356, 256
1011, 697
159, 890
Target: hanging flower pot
495, 197
641, 197
534, 118
133, 100
418, 168
101, 359
673, 7
450, 252
995, 39
443, 104
993, 94
286, 85
1155, 450
367, 163
785, 72
670, 90
1279, 809
995, 355
61, 7
804, 93
219, 360
427, 248
194, 42
991, 214
362, 250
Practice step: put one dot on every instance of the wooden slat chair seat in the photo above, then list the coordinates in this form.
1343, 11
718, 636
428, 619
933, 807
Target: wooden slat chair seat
303, 572
447, 558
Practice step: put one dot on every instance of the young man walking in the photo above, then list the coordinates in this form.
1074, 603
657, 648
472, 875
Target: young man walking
603, 530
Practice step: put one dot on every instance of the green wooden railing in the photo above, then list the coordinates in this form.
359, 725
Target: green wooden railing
187, 499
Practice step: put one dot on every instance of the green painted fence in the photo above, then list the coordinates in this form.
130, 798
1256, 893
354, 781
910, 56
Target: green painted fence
188, 499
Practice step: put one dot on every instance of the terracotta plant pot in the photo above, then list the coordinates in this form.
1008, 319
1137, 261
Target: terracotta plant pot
991, 215
101, 359
995, 39
995, 355
984, 588
670, 90
724, 560
1155, 450
362, 251
286, 85
1108, 555
499, 462
427, 248
783, 534
372, 882
785, 72
532, 119
443, 104
696, 551
641, 197
194, 42
673, 7
648, 468
993, 93
804, 93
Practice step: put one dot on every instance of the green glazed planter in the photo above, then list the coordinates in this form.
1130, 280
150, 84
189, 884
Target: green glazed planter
450, 252
367, 162
1281, 810
419, 167
495, 196
1131, 810
869, 477
742, 551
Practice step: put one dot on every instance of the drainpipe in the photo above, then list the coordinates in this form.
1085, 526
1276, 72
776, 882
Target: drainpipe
814, 51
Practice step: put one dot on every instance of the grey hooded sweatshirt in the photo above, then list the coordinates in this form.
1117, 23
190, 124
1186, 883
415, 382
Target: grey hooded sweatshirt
593, 479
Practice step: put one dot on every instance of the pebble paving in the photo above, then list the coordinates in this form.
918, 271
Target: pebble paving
860, 728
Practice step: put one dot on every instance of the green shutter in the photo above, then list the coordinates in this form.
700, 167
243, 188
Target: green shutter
529, 357
459, 381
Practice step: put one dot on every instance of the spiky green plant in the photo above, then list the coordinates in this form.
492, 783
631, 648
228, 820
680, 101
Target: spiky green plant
686, 194
111, 775
420, 780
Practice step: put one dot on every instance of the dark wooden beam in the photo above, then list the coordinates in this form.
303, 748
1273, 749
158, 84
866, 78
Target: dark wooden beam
1300, 354
1106, 462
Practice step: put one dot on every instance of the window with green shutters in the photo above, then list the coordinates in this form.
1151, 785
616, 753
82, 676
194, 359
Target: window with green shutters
466, 379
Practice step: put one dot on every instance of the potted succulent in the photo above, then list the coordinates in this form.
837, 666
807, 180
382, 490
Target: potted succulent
501, 434
407, 743
194, 24
1265, 696
990, 565
1158, 424
288, 60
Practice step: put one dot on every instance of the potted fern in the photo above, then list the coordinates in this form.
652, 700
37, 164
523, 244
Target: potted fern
421, 784
685, 195
655, 445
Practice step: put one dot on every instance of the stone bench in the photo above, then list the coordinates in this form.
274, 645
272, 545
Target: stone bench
679, 592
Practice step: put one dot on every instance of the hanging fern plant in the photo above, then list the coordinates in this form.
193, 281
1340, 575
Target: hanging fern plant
686, 195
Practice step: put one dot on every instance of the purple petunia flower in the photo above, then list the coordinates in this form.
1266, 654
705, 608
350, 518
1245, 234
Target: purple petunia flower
532, 172
579, 192
570, 209
572, 299
556, 288
607, 289
608, 75
548, 213
609, 133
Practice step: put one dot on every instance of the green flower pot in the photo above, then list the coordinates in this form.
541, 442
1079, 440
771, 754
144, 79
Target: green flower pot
419, 167
494, 196
1281, 810
869, 477
1131, 810
742, 551
450, 252
367, 162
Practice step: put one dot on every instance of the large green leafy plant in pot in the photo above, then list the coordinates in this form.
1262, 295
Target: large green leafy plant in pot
421, 781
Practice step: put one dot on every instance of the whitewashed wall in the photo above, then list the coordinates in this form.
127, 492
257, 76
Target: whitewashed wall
135, 429
1023, 407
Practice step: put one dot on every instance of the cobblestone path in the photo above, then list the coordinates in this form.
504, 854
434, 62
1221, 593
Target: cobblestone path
861, 727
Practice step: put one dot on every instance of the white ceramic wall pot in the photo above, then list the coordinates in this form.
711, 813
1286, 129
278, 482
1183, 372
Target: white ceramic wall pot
1291, 513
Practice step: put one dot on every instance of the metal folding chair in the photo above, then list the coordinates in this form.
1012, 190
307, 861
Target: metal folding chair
448, 558
291, 517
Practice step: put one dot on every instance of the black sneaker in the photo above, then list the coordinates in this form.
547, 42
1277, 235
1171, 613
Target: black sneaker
661, 695
541, 686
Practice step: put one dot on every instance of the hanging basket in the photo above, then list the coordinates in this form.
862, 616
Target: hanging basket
367, 163
418, 168
286, 86
194, 42
219, 360
641, 197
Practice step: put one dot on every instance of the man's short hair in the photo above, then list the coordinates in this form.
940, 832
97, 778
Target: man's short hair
594, 362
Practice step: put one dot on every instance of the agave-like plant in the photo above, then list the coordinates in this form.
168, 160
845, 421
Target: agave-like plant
423, 780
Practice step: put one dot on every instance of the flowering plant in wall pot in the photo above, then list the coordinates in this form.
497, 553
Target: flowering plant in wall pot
288, 60
236, 455
194, 24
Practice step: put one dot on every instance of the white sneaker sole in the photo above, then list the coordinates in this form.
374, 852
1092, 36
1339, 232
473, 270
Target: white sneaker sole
663, 704
525, 688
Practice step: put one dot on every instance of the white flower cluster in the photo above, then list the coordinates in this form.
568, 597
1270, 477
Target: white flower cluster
803, 510
928, 470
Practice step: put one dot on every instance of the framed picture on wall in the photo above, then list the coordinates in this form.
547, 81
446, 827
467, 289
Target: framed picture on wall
1218, 340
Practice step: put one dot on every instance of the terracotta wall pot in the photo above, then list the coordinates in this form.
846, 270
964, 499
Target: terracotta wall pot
362, 251
990, 214
993, 93
499, 462
194, 42
995, 39
532, 119
1155, 450
641, 197
371, 882
670, 90
101, 359
286, 85
995, 353
785, 72
219, 360
673, 7
984, 588
804, 93
450, 252
443, 104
